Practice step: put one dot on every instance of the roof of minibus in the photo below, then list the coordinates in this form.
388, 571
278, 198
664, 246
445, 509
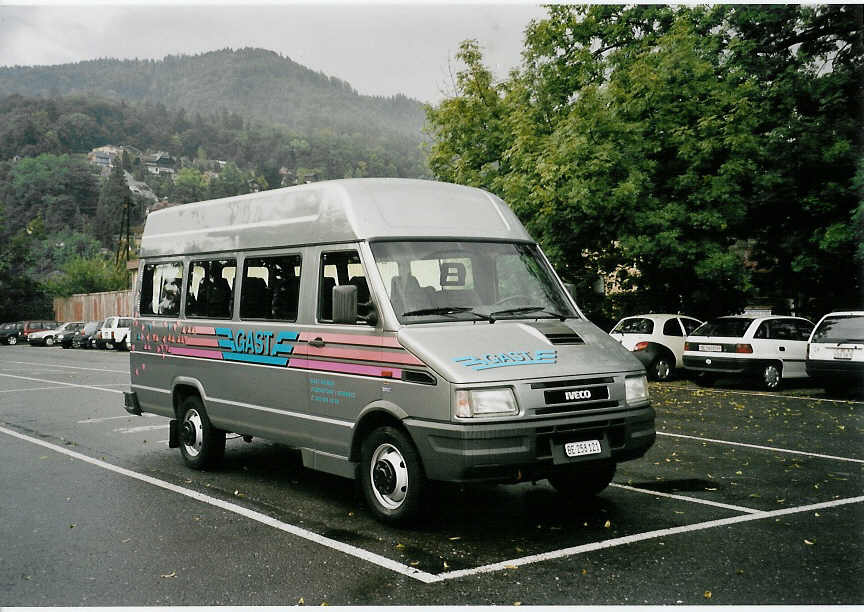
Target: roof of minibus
331, 212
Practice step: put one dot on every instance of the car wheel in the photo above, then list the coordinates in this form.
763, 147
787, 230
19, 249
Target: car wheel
121, 346
772, 376
391, 475
201, 444
585, 480
662, 368
12, 341
49, 341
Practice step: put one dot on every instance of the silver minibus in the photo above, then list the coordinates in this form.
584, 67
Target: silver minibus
394, 331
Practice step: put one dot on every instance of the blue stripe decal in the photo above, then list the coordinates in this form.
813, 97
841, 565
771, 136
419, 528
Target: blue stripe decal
245, 357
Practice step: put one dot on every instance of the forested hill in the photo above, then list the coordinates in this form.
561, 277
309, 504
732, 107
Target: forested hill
255, 83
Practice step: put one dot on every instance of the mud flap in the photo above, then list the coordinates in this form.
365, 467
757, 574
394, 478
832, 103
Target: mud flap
173, 434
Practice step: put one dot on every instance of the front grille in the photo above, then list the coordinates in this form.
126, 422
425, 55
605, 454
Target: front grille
572, 383
561, 408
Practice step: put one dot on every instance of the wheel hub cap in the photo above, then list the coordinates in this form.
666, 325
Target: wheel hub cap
389, 476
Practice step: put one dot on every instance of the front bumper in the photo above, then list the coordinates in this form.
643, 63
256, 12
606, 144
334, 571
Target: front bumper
526, 450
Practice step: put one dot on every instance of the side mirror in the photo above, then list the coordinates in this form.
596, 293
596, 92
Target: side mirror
345, 304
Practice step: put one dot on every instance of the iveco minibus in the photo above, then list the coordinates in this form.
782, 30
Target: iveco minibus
394, 331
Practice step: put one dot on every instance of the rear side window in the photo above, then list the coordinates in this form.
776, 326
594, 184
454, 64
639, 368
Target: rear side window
635, 326
672, 328
160, 289
210, 291
690, 325
848, 329
271, 288
726, 328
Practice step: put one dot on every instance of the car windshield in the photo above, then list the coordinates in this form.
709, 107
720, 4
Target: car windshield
431, 281
725, 328
636, 325
124, 323
92, 326
840, 329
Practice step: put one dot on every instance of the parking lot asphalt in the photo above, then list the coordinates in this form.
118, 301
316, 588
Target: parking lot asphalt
746, 498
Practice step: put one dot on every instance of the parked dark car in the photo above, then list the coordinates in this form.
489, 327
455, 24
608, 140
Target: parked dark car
84, 337
10, 333
64, 337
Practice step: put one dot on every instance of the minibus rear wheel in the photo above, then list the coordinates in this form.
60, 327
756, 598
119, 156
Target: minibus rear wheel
584, 480
201, 444
391, 475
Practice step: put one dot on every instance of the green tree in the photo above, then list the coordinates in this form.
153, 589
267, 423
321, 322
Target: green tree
230, 181
189, 185
87, 275
114, 197
640, 143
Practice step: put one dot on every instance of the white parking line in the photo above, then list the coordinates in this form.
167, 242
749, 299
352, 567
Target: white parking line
57, 382
57, 365
641, 537
112, 418
694, 500
140, 428
347, 549
757, 446
30, 389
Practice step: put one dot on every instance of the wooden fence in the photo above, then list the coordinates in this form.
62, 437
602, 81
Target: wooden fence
93, 306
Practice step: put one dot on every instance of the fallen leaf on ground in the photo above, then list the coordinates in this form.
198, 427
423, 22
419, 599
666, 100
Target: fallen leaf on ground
808, 542
707, 594
171, 575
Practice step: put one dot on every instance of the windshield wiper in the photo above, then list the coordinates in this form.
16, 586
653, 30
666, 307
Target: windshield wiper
526, 310
446, 310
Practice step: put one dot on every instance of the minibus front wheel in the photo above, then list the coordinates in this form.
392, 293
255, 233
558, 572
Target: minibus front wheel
391, 475
201, 444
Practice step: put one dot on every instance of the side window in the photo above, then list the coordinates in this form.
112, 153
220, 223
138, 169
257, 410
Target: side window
690, 325
672, 328
271, 288
764, 332
160, 289
784, 330
804, 329
337, 269
211, 288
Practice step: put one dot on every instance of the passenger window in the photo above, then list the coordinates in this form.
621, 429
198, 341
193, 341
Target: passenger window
763, 333
784, 330
160, 289
672, 328
804, 329
337, 269
271, 288
211, 289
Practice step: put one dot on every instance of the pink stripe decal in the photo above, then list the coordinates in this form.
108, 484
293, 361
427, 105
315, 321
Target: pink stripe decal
202, 330
193, 341
361, 339
347, 368
359, 354
188, 352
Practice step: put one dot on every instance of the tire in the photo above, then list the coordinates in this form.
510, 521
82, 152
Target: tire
121, 346
583, 480
49, 341
201, 444
12, 341
662, 368
772, 376
391, 475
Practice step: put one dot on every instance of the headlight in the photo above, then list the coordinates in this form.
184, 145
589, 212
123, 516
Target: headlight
636, 389
485, 402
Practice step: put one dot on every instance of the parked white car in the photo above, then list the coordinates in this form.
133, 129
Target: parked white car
835, 352
657, 340
114, 333
773, 348
47, 337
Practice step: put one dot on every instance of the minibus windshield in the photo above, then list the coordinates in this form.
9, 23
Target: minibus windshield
431, 281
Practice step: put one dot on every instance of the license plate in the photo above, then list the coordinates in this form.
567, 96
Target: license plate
710, 348
578, 449
843, 353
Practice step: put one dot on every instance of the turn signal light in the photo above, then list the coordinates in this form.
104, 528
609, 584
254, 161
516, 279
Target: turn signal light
640, 346
743, 348
689, 346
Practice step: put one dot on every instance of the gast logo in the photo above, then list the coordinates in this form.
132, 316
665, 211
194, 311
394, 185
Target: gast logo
510, 358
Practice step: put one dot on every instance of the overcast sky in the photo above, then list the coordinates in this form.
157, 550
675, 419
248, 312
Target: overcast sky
381, 49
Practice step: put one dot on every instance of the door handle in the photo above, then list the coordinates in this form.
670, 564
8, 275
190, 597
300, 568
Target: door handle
782, 349
317, 342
